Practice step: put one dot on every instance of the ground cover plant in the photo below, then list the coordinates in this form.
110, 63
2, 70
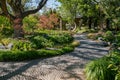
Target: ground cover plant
43, 43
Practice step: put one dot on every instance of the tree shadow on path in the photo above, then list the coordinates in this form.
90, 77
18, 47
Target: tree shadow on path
20, 70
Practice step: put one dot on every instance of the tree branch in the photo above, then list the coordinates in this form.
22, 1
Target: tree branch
41, 4
5, 10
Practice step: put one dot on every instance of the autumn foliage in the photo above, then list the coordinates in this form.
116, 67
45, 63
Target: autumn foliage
48, 21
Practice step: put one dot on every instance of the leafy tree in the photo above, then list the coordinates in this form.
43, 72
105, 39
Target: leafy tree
111, 9
97, 12
87, 9
5, 27
69, 9
17, 10
30, 22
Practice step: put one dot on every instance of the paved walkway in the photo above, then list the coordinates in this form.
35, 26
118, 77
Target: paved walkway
69, 66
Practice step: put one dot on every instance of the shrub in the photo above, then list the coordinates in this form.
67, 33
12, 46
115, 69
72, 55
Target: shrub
67, 49
22, 45
18, 55
46, 38
5, 41
106, 68
30, 23
98, 70
36, 46
75, 43
48, 53
7, 31
114, 65
41, 42
5, 27
117, 77
108, 36
61, 38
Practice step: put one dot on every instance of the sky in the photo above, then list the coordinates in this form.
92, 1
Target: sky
52, 4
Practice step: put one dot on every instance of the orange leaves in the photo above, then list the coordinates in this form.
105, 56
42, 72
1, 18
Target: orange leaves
48, 22
53, 18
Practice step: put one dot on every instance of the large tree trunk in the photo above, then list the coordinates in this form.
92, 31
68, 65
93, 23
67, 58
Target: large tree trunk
18, 27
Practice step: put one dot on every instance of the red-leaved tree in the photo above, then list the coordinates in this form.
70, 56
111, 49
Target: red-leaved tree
48, 22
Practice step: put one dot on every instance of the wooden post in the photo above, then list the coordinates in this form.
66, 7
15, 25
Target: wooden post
60, 24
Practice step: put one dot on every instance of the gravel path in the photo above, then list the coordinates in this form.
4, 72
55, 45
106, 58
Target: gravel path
69, 66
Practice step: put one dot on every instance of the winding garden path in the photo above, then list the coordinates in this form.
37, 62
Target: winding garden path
69, 66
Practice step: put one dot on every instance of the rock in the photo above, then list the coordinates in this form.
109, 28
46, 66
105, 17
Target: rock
9, 46
2, 47
51, 48
100, 39
104, 43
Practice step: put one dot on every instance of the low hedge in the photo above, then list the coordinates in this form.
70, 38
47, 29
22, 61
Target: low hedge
33, 54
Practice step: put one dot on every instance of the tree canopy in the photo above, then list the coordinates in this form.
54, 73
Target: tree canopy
96, 11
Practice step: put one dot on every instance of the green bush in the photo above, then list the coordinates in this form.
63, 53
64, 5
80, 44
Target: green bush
98, 70
18, 55
117, 77
114, 65
44, 39
37, 45
106, 68
108, 36
52, 32
61, 38
6, 29
5, 41
30, 23
67, 49
41, 42
22, 45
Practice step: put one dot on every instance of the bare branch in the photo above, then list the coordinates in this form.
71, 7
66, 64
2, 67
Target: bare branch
41, 4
